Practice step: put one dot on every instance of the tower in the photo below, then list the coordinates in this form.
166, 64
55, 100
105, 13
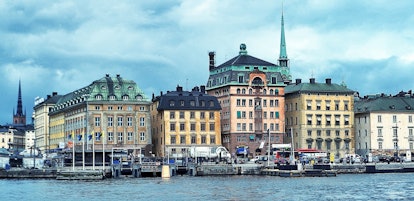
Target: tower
283, 58
19, 117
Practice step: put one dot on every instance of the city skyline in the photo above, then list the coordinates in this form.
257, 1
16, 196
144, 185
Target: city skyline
63, 46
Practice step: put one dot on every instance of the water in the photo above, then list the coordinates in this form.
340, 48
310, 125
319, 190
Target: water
343, 187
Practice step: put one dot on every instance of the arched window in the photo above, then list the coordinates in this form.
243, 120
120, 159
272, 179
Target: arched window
238, 91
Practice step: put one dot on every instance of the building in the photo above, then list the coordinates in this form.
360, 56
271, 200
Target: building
321, 116
384, 125
41, 120
182, 120
110, 113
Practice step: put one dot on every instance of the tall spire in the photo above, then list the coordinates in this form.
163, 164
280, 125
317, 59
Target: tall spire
283, 59
19, 101
19, 117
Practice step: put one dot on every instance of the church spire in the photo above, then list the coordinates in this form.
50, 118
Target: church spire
283, 59
19, 117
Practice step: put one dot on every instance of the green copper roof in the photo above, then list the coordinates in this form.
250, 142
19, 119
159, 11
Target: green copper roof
312, 87
283, 53
385, 104
105, 89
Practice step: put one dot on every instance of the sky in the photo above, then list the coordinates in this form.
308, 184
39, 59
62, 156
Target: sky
61, 46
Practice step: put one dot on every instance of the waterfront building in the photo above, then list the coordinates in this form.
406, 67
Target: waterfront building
251, 94
384, 124
182, 120
321, 116
41, 120
110, 113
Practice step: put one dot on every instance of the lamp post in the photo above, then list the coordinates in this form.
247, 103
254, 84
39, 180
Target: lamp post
268, 149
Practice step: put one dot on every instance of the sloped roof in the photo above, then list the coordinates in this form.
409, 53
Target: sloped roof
317, 87
244, 59
385, 104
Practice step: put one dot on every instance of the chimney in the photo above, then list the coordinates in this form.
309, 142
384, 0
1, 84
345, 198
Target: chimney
203, 89
312, 80
48, 96
117, 75
179, 89
107, 75
54, 93
328, 80
212, 61
298, 81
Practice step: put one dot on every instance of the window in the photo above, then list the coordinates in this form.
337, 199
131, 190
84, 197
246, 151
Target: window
192, 103
192, 126
238, 102
250, 115
328, 120
309, 133
182, 127
172, 103
337, 120
238, 126
129, 136
250, 102
318, 105
110, 136
250, 126
336, 105
379, 132
202, 115
264, 103
379, 118
410, 118
277, 115
182, 139
97, 121
244, 126
119, 107
241, 79
309, 119
142, 121
347, 133
319, 120
97, 108
394, 119
265, 115
192, 115
203, 139
129, 121
379, 145
211, 115
203, 127
172, 115
120, 137
238, 114
212, 127
109, 107
276, 103
308, 105
337, 133
172, 139
346, 119
212, 139
142, 136
193, 139
181, 115
172, 126
328, 133
328, 105
120, 121
271, 103
181, 103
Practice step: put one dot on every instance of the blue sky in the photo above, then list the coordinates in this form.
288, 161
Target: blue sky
65, 45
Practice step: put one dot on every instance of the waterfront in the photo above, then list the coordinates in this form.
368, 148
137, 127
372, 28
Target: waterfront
392, 186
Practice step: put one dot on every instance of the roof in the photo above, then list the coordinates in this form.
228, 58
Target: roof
187, 100
246, 60
385, 104
317, 87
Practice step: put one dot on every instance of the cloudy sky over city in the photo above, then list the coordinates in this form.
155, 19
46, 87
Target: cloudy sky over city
61, 46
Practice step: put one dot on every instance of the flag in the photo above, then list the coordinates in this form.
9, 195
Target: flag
98, 136
79, 137
70, 136
90, 137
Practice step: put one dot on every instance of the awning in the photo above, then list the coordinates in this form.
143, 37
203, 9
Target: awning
319, 139
328, 139
338, 139
241, 150
309, 140
251, 137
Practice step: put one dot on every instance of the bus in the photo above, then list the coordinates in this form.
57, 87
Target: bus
307, 155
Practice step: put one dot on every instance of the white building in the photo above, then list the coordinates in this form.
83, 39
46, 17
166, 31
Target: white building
384, 125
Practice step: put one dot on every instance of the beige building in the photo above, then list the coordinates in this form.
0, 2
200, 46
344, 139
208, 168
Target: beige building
183, 121
321, 116
109, 113
384, 125
41, 120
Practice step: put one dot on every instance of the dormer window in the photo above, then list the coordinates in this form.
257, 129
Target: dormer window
125, 97
138, 97
117, 87
112, 97
98, 97
130, 88
103, 87
172, 103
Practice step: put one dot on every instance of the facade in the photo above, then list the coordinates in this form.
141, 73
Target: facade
384, 125
182, 120
111, 112
6, 137
41, 120
251, 94
321, 116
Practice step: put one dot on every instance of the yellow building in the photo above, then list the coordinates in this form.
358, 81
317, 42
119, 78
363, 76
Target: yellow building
184, 120
321, 116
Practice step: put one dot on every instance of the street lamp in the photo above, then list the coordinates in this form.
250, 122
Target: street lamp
268, 149
85, 96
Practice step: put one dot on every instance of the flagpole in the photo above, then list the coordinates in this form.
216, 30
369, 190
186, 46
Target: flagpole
83, 153
73, 151
103, 152
93, 152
